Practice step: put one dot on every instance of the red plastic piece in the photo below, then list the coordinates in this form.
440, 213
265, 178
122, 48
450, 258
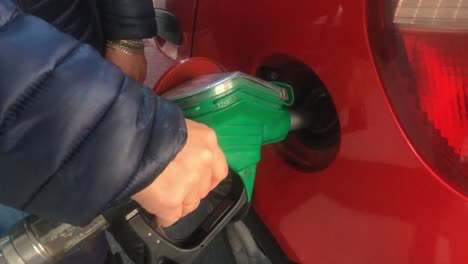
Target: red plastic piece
184, 71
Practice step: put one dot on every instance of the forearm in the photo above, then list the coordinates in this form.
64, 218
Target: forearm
75, 133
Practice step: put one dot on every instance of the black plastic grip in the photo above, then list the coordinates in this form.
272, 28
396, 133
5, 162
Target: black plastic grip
154, 245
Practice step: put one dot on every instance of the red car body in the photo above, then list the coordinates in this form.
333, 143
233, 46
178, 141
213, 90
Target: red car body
377, 201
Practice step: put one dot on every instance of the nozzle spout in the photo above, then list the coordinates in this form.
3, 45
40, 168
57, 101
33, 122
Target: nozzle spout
299, 120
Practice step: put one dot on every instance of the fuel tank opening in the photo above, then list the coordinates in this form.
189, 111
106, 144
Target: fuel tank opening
314, 140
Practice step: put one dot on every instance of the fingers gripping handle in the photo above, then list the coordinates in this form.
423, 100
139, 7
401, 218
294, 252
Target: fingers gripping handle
160, 248
37, 240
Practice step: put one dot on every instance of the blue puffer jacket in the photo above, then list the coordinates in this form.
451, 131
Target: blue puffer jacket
76, 135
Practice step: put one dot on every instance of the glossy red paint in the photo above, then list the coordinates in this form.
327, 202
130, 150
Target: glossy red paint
377, 202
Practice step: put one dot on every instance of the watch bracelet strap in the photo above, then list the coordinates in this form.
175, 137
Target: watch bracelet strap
127, 46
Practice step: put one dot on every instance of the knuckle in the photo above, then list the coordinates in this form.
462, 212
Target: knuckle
224, 171
211, 136
193, 178
192, 206
189, 181
171, 201
221, 173
206, 155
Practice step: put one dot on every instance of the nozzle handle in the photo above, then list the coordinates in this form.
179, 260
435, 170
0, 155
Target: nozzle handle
161, 248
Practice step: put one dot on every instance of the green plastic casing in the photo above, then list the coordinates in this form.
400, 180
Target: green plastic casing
246, 113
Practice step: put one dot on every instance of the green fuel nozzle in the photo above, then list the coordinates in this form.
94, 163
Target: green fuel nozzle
245, 112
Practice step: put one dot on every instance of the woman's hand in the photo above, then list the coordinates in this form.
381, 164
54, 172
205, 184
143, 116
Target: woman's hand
198, 168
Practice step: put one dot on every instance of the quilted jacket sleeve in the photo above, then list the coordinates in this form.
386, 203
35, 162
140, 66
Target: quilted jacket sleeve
127, 19
76, 134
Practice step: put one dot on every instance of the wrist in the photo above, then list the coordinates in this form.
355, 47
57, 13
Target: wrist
127, 46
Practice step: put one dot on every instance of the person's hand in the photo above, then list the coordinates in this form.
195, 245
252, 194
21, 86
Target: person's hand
134, 65
198, 168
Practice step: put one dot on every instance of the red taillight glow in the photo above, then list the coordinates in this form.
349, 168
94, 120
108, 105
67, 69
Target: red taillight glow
440, 67
421, 51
